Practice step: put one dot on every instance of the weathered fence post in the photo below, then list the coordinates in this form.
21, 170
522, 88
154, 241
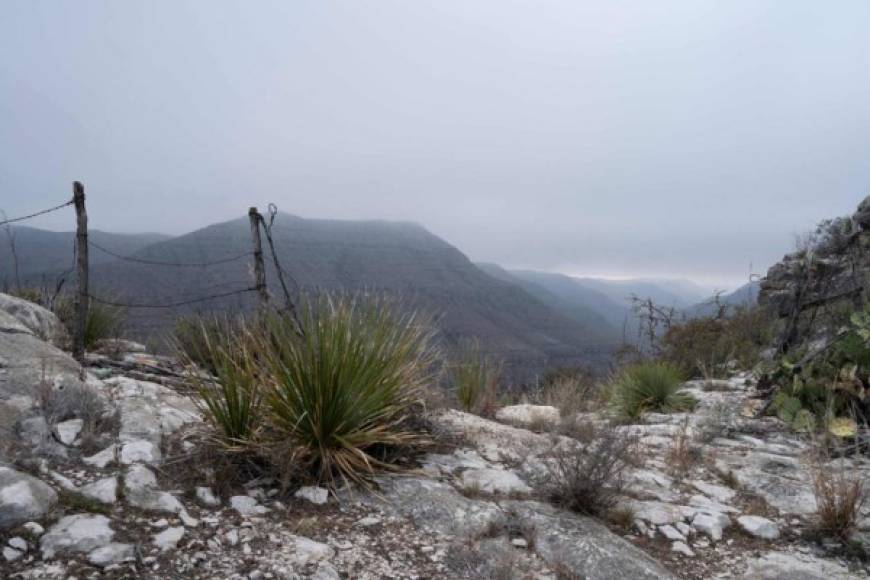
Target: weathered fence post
81, 297
259, 266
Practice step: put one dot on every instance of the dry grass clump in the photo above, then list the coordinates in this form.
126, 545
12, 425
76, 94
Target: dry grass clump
591, 479
840, 496
681, 455
330, 397
475, 378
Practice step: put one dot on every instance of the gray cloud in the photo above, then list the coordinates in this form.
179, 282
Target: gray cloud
620, 138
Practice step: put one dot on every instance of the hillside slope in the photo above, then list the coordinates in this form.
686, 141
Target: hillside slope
42, 252
400, 259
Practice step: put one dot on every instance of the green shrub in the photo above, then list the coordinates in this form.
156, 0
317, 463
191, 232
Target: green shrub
232, 402
344, 391
705, 346
195, 337
652, 386
475, 378
104, 321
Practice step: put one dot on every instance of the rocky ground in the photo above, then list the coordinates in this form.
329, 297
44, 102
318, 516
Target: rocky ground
101, 477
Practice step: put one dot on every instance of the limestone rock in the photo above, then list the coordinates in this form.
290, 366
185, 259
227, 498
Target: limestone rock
76, 533
111, 554
712, 525
529, 415
43, 323
67, 431
759, 527
168, 539
494, 481
22, 498
316, 495
104, 490
247, 506
207, 497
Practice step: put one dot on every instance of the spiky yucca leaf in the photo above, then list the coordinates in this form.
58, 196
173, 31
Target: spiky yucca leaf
347, 386
648, 387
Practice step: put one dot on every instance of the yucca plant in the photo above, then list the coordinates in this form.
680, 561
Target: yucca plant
231, 400
649, 386
343, 389
475, 378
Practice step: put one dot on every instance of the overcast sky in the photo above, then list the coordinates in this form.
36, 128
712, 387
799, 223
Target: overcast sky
680, 139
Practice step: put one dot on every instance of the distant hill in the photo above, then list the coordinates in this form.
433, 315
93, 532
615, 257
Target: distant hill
590, 307
401, 259
746, 295
666, 292
42, 252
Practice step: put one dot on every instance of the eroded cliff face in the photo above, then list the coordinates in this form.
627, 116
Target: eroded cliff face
812, 291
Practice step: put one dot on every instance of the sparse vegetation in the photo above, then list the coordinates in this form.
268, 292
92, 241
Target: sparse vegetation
651, 386
682, 456
329, 402
476, 378
232, 403
590, 479
103, 321
840, 496
706, 346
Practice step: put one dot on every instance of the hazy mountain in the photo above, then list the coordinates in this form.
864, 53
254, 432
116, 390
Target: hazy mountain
589, 307
666, 292
42, 252
745, 295
400, 259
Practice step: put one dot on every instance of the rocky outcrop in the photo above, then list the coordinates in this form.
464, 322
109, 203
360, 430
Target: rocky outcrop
807, 286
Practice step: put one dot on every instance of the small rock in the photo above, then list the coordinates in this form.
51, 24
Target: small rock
711, 524
104, 490
168, 539
684, 528
247, 506
114, 553
519, 543
207, 497
369, 521
67, 431
22, 498
529, 415
682, 548
671, 533
11, 554
310, 551
316, 495
759, 527
34, 528
494, 481
103, 458
76, 533
18, 543
138, 451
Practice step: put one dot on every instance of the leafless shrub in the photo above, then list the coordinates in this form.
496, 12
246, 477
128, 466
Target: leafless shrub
682, 456
590, 480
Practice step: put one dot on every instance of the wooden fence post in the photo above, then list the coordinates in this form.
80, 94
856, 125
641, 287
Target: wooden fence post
259, 266
81, 297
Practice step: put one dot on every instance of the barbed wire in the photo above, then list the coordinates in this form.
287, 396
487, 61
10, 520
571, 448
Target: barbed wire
33, 215
170, 264
170, 304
